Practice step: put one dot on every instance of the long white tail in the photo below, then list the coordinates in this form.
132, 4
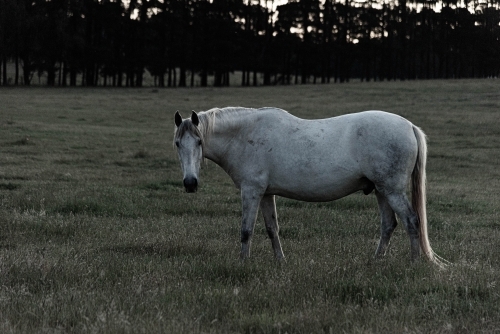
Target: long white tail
418, 198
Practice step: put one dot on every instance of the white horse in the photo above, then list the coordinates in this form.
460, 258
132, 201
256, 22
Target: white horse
270, 152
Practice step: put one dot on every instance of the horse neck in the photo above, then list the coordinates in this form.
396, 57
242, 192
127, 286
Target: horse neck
219, 135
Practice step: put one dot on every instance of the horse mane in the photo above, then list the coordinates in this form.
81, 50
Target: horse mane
215, 117
228, 116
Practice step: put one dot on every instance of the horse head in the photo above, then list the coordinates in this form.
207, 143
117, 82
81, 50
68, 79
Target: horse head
189, 143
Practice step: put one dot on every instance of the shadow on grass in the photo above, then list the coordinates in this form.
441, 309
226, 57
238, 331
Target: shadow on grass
6, 245
8, 186
23, 141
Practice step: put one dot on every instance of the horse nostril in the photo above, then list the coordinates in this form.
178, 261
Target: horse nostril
191, 184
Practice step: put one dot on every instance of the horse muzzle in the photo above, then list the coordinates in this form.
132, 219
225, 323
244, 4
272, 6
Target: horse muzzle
191, 184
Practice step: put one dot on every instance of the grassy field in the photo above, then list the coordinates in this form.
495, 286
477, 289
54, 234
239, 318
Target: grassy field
97, 235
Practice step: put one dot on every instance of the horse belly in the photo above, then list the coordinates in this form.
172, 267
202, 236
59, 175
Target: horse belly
318, 189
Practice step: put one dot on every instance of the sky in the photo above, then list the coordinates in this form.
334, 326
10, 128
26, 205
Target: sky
275, 3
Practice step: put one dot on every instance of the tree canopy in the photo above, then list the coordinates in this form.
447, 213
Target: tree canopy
183, 42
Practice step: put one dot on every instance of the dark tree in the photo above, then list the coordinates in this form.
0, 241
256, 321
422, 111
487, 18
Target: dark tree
186, 42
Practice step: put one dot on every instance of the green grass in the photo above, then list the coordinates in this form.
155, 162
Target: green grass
97, 234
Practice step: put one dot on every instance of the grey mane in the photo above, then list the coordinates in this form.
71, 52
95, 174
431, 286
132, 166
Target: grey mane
215, 117
227, 116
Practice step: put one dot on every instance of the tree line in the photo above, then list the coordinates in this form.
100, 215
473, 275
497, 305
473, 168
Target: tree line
184, 42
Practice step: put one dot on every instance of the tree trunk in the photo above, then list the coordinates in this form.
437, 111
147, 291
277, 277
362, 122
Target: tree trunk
60, 73
4, 74
161, 80
182, 77
204, 78
16, 79
51, 75
26, 74
267, 78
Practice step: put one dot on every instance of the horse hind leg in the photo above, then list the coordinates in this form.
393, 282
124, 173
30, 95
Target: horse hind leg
268, 208
400, 204
388, 224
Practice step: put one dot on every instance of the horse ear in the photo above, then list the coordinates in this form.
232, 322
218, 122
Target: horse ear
178, 118
195, 119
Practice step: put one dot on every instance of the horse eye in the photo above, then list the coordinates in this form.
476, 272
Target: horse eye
177, 143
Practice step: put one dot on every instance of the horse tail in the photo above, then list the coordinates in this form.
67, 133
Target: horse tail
418, 198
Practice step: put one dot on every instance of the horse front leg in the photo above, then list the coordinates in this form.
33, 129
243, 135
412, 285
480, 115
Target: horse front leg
250, 199
268, 208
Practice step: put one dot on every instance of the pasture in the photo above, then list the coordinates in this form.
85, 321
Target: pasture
98, 235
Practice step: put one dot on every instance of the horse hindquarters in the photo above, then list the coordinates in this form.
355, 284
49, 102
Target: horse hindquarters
391, 177
413, 215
